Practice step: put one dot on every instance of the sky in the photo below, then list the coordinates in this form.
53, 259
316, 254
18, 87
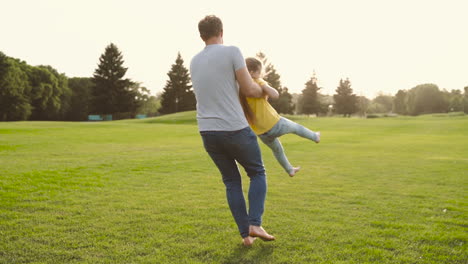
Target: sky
381, 46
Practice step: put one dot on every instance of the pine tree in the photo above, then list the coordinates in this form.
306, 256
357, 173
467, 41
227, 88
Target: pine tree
283, 104
345, 100
270, 74
178, 95
310, 103
112, 94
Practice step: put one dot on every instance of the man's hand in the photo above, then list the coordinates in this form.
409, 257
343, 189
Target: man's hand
246, 85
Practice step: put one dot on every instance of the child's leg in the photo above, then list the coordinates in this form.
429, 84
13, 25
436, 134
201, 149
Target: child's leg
275, 145
288, 127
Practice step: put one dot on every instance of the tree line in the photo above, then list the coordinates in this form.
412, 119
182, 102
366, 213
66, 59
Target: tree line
422, 99
41, 93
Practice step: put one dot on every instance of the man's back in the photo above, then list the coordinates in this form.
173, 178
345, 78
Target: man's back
216, 90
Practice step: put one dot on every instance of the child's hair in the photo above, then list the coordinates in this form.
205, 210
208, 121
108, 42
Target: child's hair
253, 65
247, 110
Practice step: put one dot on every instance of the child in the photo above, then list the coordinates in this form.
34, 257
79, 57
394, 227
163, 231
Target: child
267, 123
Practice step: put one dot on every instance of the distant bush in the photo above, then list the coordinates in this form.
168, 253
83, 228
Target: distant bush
381, 115
449, 114
372, 116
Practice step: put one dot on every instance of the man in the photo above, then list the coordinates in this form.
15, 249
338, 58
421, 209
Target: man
218, 72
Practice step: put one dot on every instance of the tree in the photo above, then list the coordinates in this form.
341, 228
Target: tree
36, 93
142, 98
381, 104
178, 95
150, 106
63, 95
112, 94
455, 100
386, 101
399, 102
80, 102
426, 99
327, 102
283, 104
363, 105
14, 90
310, 103
465, 100
345, 100
47, 90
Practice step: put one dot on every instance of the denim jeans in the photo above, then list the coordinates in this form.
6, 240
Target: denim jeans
227, 147
284, 126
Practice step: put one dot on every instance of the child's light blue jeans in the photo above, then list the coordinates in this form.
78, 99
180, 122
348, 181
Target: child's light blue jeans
285, 126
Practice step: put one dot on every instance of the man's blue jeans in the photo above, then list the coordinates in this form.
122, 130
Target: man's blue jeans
227, 147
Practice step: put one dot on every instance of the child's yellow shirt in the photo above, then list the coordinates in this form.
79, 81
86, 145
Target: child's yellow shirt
265, 115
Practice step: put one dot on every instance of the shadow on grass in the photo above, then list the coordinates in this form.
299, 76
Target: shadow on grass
259, 253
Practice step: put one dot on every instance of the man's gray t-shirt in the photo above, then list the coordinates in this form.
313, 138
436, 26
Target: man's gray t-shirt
216, 89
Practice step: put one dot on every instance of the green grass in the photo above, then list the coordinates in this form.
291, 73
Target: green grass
385, 190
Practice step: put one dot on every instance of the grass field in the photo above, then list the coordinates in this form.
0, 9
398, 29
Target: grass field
384, 190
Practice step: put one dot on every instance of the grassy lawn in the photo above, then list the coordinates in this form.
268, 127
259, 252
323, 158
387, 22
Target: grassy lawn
384, 190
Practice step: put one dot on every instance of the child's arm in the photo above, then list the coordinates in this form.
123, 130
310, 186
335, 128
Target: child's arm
269, 91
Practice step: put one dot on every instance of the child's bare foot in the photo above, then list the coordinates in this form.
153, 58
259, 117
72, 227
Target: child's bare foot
248, 241
318, 137
294, 171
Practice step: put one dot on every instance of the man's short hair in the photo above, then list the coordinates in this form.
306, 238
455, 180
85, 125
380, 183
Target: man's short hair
210, 26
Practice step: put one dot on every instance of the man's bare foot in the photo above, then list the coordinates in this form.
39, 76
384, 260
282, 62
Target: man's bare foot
294, 171
248, 241
258, 231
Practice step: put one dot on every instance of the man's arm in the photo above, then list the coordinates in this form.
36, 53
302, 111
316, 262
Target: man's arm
246, 85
